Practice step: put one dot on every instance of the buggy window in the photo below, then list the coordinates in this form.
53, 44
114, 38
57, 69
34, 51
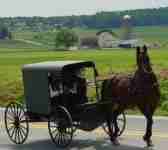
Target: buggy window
55, 86
91, 86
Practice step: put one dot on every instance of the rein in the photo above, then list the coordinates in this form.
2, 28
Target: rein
146, 71
150, 72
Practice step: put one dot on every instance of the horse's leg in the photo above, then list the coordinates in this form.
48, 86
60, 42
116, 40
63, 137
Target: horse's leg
148, 134
148, 113
110, 126
116, 128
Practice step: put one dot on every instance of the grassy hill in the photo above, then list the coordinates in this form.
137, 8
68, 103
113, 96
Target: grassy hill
8, 45
152, 35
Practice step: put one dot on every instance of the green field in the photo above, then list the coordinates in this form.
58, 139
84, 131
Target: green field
106, 60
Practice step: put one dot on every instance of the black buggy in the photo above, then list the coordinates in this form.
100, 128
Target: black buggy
66, 94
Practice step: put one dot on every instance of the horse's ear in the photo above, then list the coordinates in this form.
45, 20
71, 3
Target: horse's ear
138, 49
137, 54
145, 49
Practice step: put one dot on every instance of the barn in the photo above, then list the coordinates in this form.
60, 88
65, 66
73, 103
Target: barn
107, 39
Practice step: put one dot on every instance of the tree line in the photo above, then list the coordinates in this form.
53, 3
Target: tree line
140, 17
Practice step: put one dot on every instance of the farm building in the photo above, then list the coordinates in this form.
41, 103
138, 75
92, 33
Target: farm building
107, 39
88, 42
131, 43
101, 39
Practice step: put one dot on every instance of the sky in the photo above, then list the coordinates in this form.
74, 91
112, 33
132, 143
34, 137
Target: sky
12, 8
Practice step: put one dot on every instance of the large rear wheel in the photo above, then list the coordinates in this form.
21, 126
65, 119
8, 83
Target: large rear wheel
16, 123
60, 127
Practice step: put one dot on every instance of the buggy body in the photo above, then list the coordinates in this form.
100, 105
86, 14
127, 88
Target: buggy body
59, 93
41, 79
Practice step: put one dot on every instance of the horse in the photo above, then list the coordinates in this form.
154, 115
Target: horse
140, 90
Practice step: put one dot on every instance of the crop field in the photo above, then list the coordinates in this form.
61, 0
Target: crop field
107, 61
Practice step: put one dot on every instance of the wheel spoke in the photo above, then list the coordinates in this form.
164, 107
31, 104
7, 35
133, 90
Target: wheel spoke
67, 131
12, 133
21, 130
61, 139
65, 137
54, 131
22, 115
23, 121
11, 122
15, 137
13, 109
12, 128
21, 135
56, 138
11, 114
18, 133
19, 112
10, 109
9, 118
23, 127
16, 109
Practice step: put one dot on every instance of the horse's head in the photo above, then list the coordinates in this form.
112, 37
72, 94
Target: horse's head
143, 60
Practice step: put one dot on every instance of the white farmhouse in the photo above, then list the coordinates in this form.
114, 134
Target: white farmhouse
107, 39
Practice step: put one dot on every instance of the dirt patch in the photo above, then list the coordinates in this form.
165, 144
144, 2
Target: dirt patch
163, 74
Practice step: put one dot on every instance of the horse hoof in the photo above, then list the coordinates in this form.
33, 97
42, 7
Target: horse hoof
116, 142
150, 144
149, 148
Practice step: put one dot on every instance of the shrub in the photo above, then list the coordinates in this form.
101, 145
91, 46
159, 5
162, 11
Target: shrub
65, 38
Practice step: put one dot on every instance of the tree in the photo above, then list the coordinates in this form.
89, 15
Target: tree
3, 32
66, 38
10, 36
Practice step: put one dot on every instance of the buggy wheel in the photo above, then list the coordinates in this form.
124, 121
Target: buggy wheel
60, 127
121, 121
16, 123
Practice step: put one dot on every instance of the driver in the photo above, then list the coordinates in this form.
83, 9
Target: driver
76, 84
81, 87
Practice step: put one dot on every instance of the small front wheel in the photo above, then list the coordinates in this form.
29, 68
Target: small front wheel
60, 127
121, 121
16, 123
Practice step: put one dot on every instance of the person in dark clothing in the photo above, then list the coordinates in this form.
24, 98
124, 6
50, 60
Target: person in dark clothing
81, 89
76, 84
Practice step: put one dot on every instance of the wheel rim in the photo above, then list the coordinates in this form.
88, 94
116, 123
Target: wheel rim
60, 127
106, 129
16, 123
121, 121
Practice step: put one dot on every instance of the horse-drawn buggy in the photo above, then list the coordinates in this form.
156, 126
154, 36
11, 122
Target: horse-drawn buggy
66, 94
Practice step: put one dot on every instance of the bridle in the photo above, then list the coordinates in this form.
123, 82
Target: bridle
144, 68
149, 72
146, 71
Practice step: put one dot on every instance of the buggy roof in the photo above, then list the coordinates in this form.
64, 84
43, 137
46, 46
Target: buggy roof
58, 66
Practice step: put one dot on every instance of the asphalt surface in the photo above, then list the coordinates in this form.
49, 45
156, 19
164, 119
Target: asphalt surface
39, 138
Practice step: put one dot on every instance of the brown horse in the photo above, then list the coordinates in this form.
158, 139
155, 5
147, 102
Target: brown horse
140, 90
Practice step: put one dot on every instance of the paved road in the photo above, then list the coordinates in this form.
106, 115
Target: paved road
97, 140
